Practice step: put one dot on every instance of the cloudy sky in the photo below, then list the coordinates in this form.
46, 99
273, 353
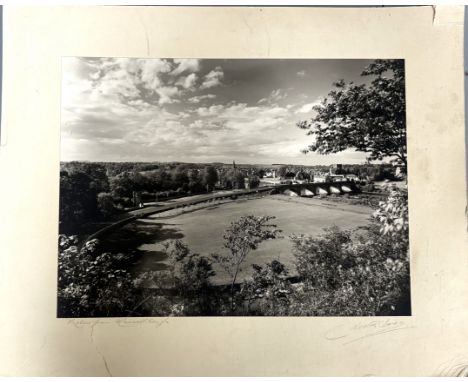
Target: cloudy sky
126, 109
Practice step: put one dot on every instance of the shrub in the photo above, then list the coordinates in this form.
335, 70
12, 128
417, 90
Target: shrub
269, 291
345, 273
92, 284
184, 287
340, 273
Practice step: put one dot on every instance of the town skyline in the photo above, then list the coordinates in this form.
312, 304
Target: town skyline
196, 111
364, 163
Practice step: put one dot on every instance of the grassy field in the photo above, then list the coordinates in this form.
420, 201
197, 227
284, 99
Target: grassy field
203, 229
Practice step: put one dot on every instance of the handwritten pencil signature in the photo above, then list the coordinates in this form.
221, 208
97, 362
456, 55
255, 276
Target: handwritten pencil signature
121, 322
349, 333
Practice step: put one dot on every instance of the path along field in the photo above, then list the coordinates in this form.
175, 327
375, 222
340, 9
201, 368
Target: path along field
203, 229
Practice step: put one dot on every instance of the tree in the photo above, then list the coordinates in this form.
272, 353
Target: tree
121, 186
242, 237
180, 177
282, 171
210, 177
189, 275
238, 180
254, 181
106, 204
369, 118
233, 179
78, 199
124, 184
80, 183
195, 182
164, 180
97, 173
302, 175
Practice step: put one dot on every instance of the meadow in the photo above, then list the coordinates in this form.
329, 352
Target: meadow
202, 229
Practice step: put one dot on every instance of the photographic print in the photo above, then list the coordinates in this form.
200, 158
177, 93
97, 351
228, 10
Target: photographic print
233, 187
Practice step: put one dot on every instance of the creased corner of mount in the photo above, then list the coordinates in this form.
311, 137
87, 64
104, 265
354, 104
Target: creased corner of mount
448, 15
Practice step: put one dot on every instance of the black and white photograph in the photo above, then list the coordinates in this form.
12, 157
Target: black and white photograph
233, 187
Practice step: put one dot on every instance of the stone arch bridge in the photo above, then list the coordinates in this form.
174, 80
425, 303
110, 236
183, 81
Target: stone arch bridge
316, 189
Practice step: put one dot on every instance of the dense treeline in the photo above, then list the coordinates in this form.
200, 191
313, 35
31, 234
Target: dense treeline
91, 192
371, 172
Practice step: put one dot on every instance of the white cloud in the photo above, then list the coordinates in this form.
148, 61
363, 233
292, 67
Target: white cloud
130, 109
75, 85
238, 127
117, 79
183, 65
241, 111
188, 82
104, 113
117, 82
307, 108
213, 78
198, 99
211, 111
145, 72
273, 98
198, 124
167, 94
150, 70
183, 114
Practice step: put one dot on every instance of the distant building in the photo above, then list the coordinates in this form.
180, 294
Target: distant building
336, 168
269, 181
337, 178
270, 174
352, 177
319, 179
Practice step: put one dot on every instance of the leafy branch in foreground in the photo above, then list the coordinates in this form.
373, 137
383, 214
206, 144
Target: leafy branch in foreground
92, 283
369, 118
